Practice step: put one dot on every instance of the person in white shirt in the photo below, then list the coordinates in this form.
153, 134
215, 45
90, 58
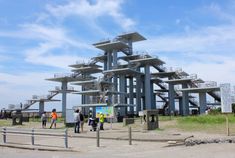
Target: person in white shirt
77, 121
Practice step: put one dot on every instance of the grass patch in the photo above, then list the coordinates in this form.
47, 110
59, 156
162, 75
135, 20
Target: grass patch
5, 123
205, 119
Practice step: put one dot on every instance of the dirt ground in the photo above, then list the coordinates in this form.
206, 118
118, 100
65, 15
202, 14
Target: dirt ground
86, 147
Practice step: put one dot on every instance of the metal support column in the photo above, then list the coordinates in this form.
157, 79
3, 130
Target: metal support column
153, 97
109, 60
131, 96
181, 106
41, 107
64, 88
138, 94
202, 102
185, 100
171, 95
147, 87
122, 90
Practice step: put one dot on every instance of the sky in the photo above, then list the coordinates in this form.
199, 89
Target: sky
40, 38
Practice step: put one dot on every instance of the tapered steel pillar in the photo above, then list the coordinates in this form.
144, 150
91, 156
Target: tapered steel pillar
171, 95
64, 101
138, 94
147, 88
185, 100
41, 107
202, 102
131, 95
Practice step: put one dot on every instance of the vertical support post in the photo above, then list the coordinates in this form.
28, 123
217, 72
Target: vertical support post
130, 136
4, 135
98, 137
138, 94
202, 102
32, 136
153, 99
64, 88
41, 107
185, 101
171, 98
66, 138
181, 106
131, 96
147, 87
227, 125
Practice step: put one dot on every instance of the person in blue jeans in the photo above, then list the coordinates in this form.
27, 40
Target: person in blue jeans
77, 121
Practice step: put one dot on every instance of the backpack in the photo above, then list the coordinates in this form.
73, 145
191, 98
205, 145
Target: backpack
81, 117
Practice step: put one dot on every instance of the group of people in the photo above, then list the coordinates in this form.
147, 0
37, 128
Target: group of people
78, 119
53, 119
79, 122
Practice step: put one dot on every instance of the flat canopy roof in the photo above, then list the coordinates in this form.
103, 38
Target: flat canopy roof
60, 91
101, 42
44, 100
163, 74
123, 105
117, 45
83, 82
100, 58
83, 65
124, 71
70, 79
129, 57
91, 105
87, 70
178, 81
133, 36
198, 90
89, 92
145, 61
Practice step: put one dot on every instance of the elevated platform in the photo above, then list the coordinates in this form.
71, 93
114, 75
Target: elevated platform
101, 42
83, 65
117, 45
70, 78
148, 61
198, 90
133, 36
44, 100
124, 71
90, 105
87, 70
60, 91
179, 81
129, 57
123, 105
163, 74
100, 58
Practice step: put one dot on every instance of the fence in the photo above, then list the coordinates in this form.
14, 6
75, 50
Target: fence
32, 133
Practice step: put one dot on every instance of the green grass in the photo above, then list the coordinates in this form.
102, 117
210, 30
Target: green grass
206, 119
59, 120
202, 123
5, 123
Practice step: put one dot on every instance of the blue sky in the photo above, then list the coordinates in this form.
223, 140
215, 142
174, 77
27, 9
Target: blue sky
39, 38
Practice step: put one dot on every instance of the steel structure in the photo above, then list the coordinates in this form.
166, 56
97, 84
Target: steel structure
130, 82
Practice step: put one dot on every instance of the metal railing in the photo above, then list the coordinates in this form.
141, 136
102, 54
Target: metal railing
32, 133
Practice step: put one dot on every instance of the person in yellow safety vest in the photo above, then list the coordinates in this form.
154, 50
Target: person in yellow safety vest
101, 120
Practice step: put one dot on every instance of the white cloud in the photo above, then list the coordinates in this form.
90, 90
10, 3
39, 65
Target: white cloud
20, 88
213, 39
91, 11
